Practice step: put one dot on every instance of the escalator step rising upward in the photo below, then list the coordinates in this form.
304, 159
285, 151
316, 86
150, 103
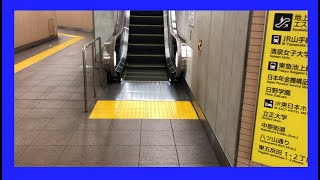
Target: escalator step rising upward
146, 52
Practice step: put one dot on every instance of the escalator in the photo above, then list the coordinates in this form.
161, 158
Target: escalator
146, 59
145, 46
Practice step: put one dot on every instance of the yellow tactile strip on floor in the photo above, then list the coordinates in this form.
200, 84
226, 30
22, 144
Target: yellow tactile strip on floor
109, 109
38, 57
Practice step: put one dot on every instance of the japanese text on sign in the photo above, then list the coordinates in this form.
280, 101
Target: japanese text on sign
281, 124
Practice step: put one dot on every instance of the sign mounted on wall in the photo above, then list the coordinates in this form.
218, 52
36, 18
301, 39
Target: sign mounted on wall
281, 122
192, 15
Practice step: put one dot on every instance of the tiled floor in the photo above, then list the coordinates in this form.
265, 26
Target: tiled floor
51, 128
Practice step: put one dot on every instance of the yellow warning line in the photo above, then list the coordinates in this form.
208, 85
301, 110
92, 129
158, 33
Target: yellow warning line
106, 109
68, 35
36, 58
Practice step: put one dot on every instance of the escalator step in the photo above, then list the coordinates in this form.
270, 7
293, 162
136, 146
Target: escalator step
144, 78
145, 66
146, 58
146, 38
143, 29
148, 20
146, 71
146, 13
146, 74
143, 48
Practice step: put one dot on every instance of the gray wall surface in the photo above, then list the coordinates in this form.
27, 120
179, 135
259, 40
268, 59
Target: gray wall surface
217, 74
104, 23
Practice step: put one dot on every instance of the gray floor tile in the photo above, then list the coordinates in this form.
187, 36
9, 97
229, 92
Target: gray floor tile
17, 95
18, 150
196, 155
71, 83
191, 138
31, 124
77, 104
42, 113
94, 125
186, 125
42, 89
33, 96
38, 76
123, 138
62, 89
16, 120
158, 155
81, 89
26, 103
79, 96
40, 156
48, 104
21, 112
157, 138
61, 96
100, 155
81, 155
89, 138
99, 165
27, 83
154, 125
20, 89
72, 77
56, 78
159, 165
200, 165
70, 113
53, 83
25, 137
63, 124
125, 125
53, 138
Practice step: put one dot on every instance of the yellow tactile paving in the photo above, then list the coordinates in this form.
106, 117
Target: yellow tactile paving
184, 115
107, 104
158, 104
132, 104
131, 114
104, 114
105, 109
159, 114
38, 57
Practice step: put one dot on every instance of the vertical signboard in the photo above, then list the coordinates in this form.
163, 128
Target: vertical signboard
281, 124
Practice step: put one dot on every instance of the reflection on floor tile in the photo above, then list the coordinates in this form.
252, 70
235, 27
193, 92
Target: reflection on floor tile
100, 155
40, 156
196, 155
158, 155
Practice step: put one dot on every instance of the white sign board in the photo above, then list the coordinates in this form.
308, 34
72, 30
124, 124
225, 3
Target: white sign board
191, 18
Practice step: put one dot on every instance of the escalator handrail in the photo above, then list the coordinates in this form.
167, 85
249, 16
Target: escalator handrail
109, 45
124, 43
167, 43
173, 31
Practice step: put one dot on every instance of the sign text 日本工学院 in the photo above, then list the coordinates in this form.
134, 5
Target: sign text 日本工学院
281, 121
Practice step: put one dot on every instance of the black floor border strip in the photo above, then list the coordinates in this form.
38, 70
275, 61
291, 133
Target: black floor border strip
34, 44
